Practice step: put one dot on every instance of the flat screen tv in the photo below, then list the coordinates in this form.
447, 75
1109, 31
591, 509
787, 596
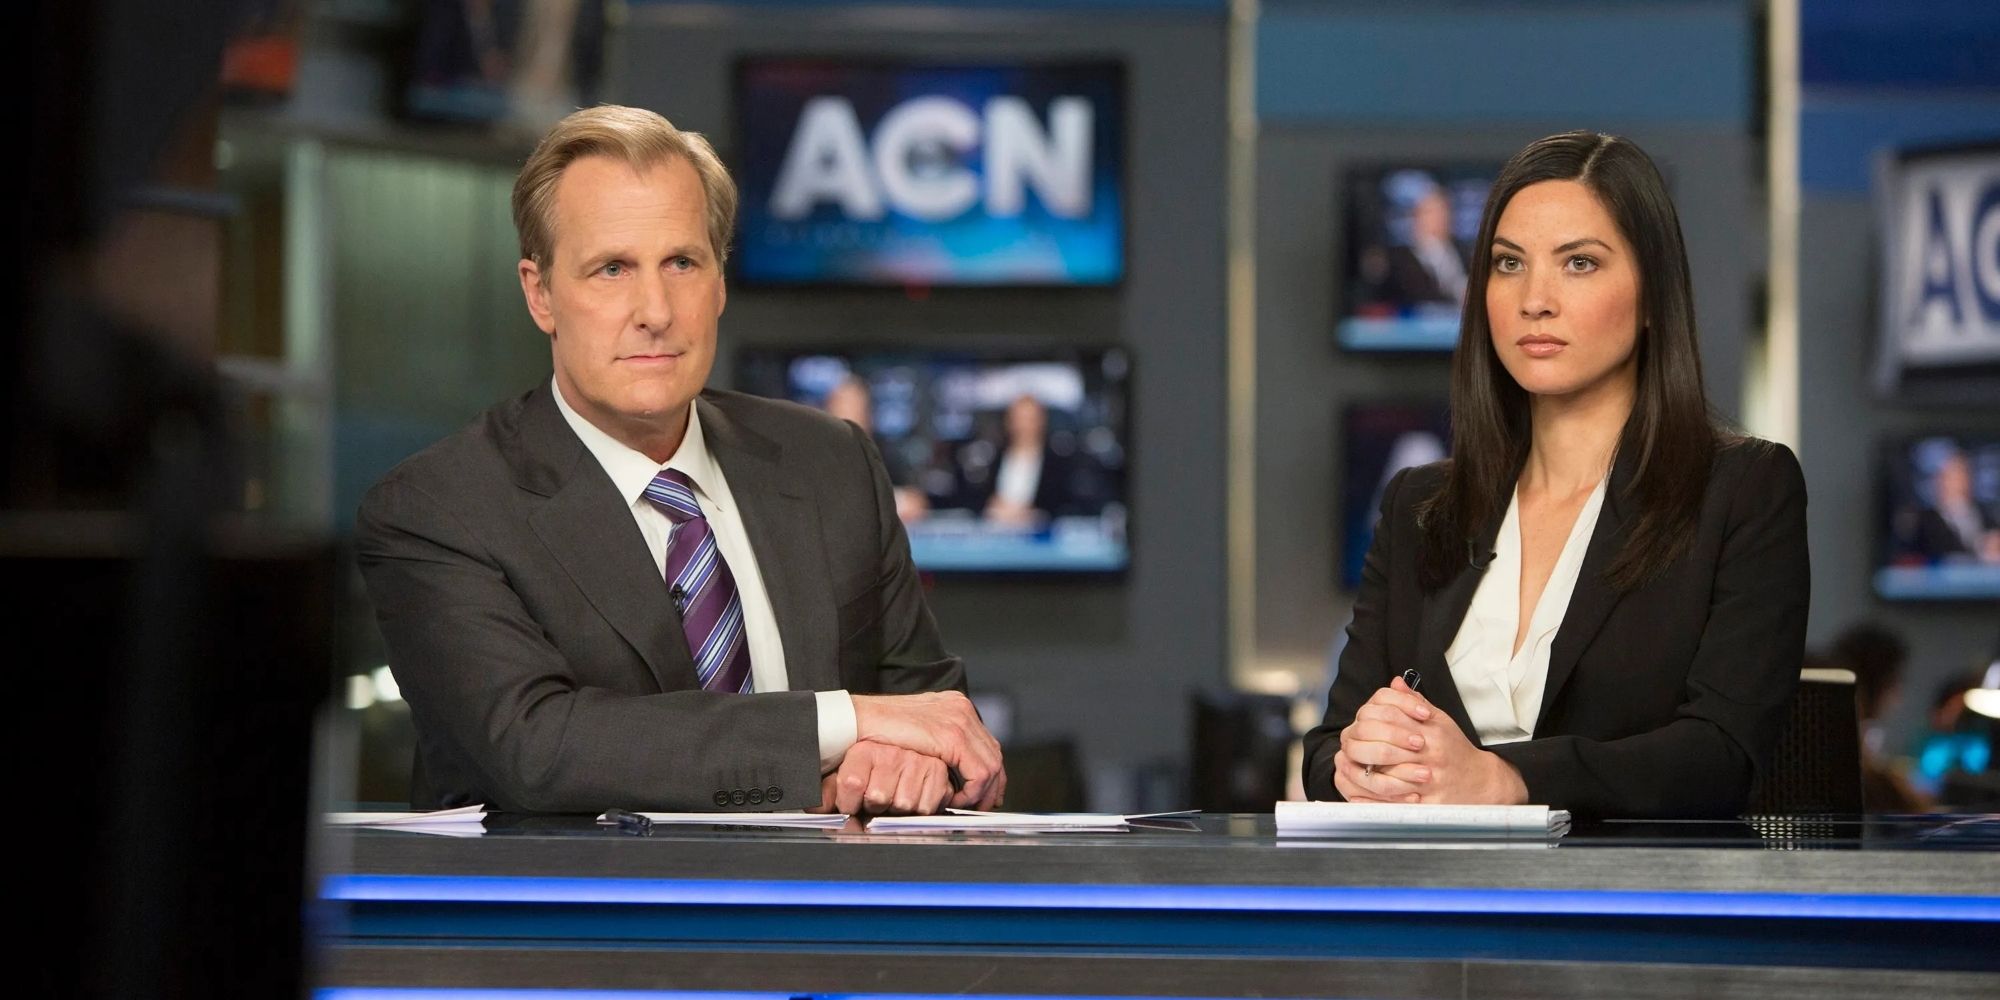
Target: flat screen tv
910, 174
1939, 217
1379, 440
1407, 243
1941, 518
1001, 462
504, 61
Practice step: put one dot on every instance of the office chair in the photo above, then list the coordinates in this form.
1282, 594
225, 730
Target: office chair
1816, 766
1242, 746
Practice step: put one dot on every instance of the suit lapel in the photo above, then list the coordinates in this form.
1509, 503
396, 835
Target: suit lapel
589, 529
1444, 610
783, 525
1592, 600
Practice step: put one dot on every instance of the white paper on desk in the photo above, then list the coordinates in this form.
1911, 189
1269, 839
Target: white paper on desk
802, 820
1418, 820
1003, 822
463, 815
438, 829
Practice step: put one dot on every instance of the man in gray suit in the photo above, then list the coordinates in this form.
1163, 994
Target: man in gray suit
622, 589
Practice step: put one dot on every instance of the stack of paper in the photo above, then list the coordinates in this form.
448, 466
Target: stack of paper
465, 821
1378, 819
797, 820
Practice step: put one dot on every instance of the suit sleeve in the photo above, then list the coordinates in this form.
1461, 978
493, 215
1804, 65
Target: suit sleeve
910, 656
480, 674
1364, 662
1738, 687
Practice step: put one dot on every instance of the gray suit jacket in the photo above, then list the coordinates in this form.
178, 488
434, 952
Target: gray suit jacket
536, 643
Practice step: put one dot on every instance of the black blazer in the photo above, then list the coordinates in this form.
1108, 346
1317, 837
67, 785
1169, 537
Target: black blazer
534, 638
1662, 701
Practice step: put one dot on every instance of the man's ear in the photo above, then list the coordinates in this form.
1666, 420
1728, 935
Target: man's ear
537, 294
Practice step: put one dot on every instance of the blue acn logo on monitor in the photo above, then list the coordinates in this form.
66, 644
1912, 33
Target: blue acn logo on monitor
873, 174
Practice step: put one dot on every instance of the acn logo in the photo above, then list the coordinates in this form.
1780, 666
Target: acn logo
915, 162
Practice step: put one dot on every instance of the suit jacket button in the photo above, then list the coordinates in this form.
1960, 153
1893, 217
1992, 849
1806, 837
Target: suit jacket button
756, 796
738, 798
721, 799
774, 795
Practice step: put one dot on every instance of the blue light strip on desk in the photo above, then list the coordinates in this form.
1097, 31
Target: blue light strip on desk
1321, 899
466, 993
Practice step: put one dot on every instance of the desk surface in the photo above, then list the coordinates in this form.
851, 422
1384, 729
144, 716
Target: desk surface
1218, 906
1913, 856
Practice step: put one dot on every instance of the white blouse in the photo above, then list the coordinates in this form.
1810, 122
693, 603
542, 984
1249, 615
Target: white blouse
1502, 689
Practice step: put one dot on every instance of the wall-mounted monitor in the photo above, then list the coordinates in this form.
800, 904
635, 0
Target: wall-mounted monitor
901, 174
1379, 440
1941, 518
1939, 213
1006, 462
1408, 241
504, 61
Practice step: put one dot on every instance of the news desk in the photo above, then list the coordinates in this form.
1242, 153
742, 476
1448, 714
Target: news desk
1219, 906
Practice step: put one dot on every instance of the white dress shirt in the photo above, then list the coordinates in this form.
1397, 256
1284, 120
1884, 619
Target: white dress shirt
631, 472
1501, 688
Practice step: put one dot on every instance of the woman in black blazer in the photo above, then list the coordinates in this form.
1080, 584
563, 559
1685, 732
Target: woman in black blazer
1627, 645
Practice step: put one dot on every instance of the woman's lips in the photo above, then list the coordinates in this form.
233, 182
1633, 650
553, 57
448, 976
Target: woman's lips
1541, 347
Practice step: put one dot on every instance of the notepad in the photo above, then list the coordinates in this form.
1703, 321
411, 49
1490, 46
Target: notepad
1382, 819
464, 821
440, 817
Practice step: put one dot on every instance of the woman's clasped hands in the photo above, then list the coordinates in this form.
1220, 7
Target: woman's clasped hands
1401, 748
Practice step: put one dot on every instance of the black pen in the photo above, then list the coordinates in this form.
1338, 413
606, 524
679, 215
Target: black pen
1414, 678
628, 822
957, 780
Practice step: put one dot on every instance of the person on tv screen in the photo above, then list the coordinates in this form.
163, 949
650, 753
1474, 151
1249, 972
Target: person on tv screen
621, 588
1598, 602
1955, 527
1432, 267
1033, 479
850, 400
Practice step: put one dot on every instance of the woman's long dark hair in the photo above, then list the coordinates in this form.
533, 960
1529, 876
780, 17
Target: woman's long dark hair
1670, 438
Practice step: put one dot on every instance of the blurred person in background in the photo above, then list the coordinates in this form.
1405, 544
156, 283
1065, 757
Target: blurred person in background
1877, 657
622, 588
1956, 749
1603, 592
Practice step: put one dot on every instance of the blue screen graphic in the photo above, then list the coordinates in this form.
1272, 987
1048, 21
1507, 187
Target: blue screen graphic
897, 174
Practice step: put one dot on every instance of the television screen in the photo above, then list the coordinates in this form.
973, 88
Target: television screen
869, 173
1000, 462
1941, 497
1380, 440
1409, 238
505, 61
1940, 225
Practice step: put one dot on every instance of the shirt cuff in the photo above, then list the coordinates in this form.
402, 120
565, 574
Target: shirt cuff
837, 728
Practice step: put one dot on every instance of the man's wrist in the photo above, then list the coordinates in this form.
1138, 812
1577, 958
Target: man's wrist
838, 728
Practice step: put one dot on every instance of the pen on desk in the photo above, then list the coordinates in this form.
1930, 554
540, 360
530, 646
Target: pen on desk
628, 822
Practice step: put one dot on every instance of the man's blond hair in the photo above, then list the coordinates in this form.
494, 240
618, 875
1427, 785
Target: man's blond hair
641, 139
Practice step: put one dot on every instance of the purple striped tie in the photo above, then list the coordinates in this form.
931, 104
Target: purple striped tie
702, 588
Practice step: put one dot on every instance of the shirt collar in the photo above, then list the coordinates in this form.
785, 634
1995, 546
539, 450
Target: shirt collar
630, 470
